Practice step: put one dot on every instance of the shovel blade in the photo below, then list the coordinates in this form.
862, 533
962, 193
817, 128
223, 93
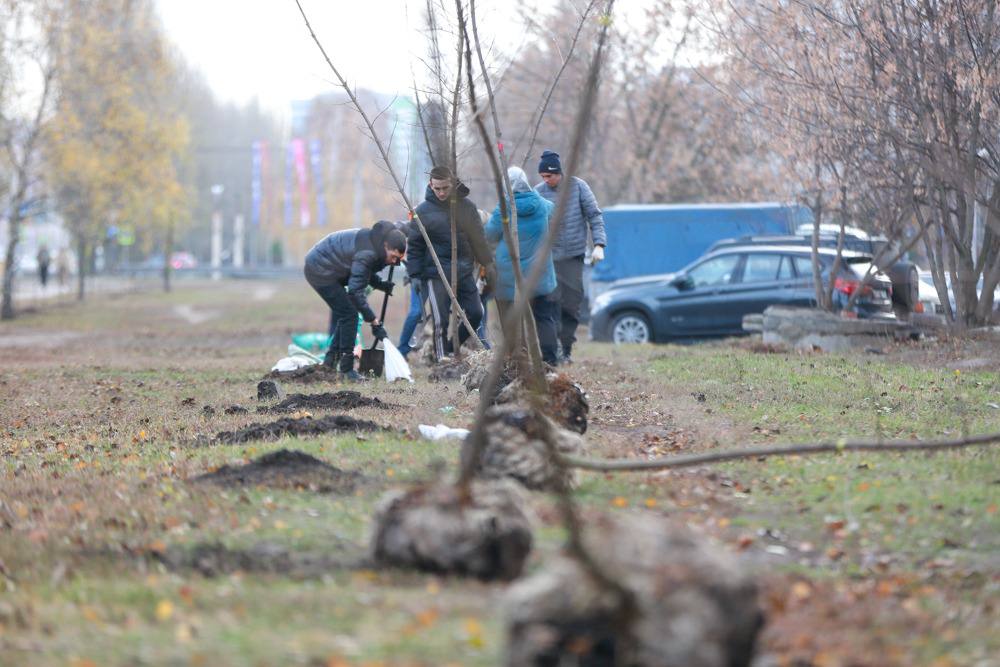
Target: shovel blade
372, 362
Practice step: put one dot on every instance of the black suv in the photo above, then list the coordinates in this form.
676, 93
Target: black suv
905, 276
710, 296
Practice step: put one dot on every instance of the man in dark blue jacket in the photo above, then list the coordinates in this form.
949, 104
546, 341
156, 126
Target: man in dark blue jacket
351, 259
447, 196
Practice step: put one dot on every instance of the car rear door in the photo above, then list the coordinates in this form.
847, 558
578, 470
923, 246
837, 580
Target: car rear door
766, 280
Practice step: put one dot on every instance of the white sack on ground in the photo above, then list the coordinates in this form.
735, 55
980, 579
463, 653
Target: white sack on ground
292, 363
396, 367
440, 432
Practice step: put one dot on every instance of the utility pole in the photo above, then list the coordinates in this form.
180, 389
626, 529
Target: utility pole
217, 232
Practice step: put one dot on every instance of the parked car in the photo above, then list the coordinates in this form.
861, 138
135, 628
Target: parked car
903, 274
710, 296
183, 260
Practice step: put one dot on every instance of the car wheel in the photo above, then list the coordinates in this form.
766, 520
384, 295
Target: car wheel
631, 327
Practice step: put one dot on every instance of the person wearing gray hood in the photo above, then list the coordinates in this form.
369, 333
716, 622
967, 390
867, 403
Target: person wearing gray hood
339, 268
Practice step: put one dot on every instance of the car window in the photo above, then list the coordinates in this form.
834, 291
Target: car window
715, 271
761, 267
803, 265
785, 270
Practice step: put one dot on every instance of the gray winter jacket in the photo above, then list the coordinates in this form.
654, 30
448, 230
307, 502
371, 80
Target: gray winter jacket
352, 258
581, 213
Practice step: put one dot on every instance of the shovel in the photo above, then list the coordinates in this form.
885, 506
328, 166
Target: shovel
373, 359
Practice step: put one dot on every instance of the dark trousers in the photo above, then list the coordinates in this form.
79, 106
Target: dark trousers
343, 326
569, 294
545, 310
468, 298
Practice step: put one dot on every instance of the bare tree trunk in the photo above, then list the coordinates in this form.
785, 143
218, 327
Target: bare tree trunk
453, 200
168, 250
83, 266
10, 264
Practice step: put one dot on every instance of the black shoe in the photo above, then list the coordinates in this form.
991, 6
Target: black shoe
352, 376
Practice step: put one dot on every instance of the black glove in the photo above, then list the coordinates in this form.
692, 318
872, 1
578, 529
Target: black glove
379, 332
386, 286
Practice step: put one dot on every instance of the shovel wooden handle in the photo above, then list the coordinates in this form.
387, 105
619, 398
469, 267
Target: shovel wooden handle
385, 302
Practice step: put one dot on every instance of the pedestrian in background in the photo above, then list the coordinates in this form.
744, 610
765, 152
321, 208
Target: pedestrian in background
582, 215
44, 259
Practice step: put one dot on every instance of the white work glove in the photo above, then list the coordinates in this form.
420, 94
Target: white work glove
597, 254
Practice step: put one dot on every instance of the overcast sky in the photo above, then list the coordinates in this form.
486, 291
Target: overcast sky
261, 48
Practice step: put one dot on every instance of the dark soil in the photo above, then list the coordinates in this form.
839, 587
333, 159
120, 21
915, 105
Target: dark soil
305, 426
213, 559
340, 400
306, 374
286, 469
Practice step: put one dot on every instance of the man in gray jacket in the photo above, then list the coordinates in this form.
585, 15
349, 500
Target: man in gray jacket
351, 259
582, 215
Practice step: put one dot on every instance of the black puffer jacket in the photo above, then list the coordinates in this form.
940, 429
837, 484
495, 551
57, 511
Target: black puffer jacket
352, 258
435, 215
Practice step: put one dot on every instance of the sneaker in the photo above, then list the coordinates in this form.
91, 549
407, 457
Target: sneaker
352, 376
565, 360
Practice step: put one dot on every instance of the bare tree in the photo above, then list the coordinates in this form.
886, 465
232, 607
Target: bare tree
26, 63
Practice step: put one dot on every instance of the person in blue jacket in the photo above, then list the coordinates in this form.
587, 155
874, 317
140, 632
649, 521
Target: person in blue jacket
533, 213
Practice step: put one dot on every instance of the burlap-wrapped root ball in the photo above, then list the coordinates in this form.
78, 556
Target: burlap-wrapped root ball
696, 608
431, 528
565, 400
515, 449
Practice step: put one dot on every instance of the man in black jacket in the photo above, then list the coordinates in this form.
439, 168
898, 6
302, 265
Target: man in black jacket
447, 196
352, 258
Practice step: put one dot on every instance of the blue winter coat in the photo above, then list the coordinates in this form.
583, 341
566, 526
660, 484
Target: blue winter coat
533, 213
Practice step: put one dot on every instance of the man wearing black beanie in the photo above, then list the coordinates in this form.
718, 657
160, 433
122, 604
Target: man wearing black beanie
582, 214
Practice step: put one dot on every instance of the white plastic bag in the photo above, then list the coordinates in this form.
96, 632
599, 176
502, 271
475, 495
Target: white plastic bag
396, 367
292, 363
440, 432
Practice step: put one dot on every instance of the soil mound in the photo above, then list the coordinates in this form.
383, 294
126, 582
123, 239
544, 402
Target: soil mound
306, 374
213, 559
305, 426
286, 469
339, 400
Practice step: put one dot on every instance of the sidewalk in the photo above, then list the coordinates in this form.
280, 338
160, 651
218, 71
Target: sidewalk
29, 293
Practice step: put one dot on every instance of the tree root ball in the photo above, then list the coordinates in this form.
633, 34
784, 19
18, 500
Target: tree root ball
566, 401
696, 608
514, 448
432, 529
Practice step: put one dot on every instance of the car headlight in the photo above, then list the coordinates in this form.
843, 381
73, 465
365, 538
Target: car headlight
601, 301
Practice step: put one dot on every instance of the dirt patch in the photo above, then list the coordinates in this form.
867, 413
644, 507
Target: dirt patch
306, 374
305, 426
286, 469
449, 371
339, 400
213, 560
